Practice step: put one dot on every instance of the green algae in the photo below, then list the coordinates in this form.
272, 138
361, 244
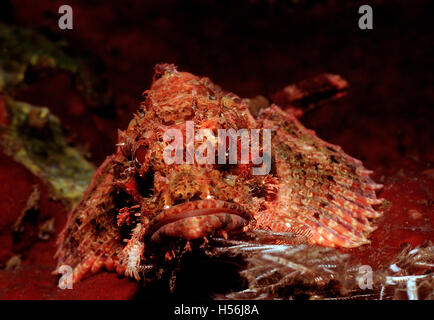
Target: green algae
33, 136
35, 139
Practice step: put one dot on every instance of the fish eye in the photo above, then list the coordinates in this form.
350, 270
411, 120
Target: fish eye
140, 154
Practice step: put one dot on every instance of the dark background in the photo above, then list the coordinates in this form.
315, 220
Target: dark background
252, 48
258, 47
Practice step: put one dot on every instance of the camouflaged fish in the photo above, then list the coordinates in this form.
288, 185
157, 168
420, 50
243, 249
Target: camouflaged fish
137, 205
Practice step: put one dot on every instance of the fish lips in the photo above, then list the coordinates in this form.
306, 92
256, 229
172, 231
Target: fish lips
197, 219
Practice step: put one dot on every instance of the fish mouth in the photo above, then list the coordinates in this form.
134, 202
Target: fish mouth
198, 219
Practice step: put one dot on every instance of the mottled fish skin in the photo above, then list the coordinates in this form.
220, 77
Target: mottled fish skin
135, 199
91, 239
322, 192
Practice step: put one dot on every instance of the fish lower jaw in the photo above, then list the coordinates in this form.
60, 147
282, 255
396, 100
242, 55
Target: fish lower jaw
198, 219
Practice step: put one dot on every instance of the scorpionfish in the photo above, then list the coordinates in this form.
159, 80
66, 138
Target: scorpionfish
137, 203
